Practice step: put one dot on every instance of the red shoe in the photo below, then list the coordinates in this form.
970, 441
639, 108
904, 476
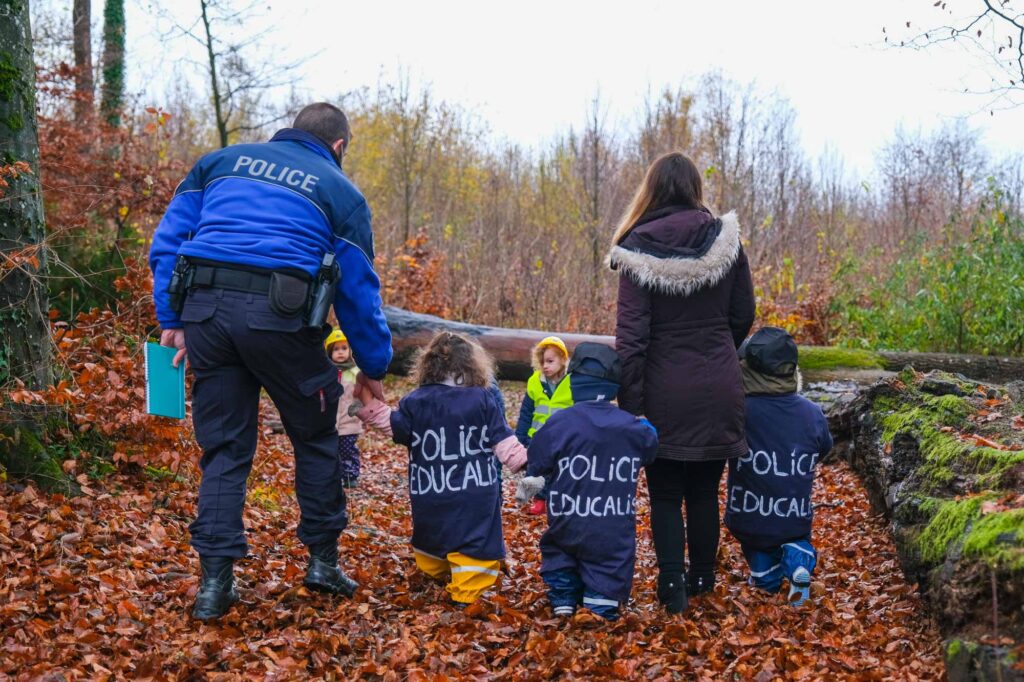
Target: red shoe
537, 508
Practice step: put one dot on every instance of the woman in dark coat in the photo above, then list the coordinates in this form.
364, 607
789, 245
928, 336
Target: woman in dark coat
686, 302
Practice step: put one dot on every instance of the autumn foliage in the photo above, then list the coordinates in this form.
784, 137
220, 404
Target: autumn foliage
411, 278
99, 587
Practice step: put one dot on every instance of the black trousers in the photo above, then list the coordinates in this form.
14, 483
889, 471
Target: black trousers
236, 345
671, 484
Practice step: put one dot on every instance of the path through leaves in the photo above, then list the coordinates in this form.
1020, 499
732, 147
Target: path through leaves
98, 587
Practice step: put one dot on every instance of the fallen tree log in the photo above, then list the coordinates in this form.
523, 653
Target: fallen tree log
511, 351
983, 367
510, 348
952, 487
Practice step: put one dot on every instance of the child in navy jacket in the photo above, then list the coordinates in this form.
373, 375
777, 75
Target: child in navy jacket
591, 455
456, 435
768, 506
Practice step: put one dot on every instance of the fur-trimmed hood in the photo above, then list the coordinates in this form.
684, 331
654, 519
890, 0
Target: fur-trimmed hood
679, 251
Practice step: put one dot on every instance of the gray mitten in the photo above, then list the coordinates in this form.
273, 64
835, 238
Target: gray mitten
354, 408
528, 488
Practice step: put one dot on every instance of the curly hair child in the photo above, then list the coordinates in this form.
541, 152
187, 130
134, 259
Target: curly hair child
456, 435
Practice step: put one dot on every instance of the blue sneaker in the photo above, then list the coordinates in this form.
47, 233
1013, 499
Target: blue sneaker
799, 586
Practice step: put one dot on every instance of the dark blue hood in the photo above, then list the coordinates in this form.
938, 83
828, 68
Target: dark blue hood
585, 387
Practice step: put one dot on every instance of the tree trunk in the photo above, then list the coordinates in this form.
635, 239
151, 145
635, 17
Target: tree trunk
113, 61
24, 326
25, 350
211, 55
81, 19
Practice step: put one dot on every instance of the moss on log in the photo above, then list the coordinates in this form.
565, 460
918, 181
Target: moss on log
943, 458
814, 358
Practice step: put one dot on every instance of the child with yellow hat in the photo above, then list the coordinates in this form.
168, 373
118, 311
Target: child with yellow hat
547, 392
349, 426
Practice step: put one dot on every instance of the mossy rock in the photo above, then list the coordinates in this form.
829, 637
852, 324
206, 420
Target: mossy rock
24, 456
970, 661
36, 440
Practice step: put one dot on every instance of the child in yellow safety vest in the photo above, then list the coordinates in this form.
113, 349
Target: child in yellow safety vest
547, 392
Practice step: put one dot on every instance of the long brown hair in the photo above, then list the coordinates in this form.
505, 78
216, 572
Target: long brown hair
672, 180
453, 356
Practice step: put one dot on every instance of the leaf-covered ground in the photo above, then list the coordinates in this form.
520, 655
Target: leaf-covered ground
99, 587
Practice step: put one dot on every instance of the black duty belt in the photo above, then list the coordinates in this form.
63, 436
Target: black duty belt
211, 277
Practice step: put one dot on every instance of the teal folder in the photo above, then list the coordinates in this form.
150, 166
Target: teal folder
165, 384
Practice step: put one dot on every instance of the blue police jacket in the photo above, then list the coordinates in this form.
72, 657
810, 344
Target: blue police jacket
768, 500
277, 205
591, 455
454, 486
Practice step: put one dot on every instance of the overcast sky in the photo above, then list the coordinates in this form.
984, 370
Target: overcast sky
529, 68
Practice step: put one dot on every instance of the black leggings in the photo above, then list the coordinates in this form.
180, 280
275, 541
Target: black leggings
670, 483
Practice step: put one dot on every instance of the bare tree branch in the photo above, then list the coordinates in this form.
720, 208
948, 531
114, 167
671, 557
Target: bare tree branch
239, 79
994, 31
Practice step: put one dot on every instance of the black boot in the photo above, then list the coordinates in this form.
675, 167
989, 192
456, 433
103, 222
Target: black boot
672, 592
216, 589
324, 575
700, 584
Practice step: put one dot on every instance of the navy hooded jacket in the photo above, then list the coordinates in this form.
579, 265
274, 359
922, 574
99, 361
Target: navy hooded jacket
454, 486
591, 455
769, 488
278, 205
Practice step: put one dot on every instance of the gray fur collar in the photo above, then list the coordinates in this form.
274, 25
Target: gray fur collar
682, 276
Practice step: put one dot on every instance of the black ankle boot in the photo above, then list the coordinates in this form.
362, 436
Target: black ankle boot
672, 592
700, 584
216, 589
324, 575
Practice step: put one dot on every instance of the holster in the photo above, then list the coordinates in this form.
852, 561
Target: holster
181, 280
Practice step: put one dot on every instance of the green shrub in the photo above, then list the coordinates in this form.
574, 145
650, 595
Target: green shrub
964, 294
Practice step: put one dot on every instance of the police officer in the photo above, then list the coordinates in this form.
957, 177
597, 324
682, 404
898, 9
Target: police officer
238, 261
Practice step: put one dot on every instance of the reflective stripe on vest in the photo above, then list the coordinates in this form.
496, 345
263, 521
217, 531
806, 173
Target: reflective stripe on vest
543, 406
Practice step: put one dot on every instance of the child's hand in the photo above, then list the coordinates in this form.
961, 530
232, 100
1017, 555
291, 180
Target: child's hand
643, 420
377, 415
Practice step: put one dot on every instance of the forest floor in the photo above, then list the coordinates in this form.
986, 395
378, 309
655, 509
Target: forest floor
100, 586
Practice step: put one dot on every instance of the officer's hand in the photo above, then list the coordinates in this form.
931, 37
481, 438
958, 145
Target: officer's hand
376, 388
174, 338
363, 396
